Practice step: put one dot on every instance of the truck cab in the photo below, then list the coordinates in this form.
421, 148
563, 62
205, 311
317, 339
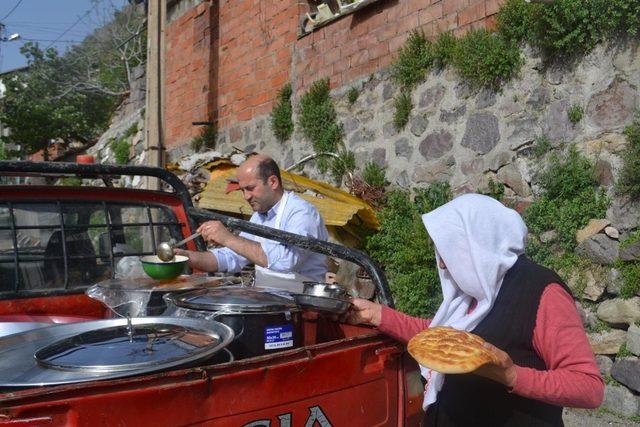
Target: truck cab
56, 241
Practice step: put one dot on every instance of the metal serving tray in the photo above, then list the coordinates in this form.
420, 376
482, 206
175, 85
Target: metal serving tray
322, 304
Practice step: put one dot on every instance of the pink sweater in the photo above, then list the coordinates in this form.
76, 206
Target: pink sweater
572, 377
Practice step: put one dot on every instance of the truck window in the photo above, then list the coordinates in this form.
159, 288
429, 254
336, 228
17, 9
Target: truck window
54, 246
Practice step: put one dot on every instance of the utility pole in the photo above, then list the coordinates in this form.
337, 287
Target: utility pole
154, 111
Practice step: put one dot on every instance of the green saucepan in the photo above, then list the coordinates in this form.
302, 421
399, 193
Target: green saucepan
163, 270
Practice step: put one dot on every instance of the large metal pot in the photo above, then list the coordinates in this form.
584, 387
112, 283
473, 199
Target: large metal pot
263, 322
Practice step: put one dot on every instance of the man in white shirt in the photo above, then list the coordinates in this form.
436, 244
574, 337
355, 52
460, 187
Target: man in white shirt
277, 264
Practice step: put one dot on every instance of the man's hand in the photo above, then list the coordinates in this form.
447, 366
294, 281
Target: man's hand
363, 312
215, 231
502, 371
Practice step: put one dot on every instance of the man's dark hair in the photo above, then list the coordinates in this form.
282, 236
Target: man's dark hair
266, 168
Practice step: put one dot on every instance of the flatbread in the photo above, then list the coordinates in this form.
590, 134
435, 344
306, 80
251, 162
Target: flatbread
449, 350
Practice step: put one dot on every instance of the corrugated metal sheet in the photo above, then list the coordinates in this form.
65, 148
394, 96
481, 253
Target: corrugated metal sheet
337, 207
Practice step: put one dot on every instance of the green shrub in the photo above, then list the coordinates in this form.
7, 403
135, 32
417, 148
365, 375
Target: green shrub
575, 113
120, 148
485, 59
206, 139
281, 121
515, 20
569, 198
495, 189
630, 272
318, 121
404, 250
373, 175
568, 27
131, 130
541, 146
629, 180
403, 106
352, 95
444, 49
413, 61
72, 181
3, 152
622, 17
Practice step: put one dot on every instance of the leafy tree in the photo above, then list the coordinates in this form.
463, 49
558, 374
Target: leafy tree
70, 97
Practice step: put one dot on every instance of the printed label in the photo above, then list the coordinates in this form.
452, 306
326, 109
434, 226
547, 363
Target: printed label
278, 337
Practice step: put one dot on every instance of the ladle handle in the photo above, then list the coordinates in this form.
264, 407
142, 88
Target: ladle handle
188, 239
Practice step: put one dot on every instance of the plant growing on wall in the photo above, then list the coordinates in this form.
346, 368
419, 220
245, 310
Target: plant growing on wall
120, 148
281, 120
318, 121
569, 199
352, 95
486, 59
575, 113
206, 139
403, 107
629, 179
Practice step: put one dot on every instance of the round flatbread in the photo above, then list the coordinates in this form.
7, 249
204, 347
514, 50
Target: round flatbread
449, 350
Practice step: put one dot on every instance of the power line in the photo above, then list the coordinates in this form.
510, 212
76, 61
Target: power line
11, 11
65, 31
48, 40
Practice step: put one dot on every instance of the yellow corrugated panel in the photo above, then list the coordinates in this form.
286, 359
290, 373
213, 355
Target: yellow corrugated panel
336, 207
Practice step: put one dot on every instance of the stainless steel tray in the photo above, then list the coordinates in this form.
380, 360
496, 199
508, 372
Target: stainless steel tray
322, 304
19, 366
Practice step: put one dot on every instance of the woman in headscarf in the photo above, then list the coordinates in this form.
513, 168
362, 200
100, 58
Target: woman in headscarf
523, 310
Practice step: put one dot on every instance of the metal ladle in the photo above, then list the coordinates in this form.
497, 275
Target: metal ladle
165, 250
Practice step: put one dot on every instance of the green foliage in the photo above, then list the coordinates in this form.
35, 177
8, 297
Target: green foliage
600, 326
541, 146
345, 163
444, 49
575, 113
318, 121
630, 239
413, 61
405, 251
569, 198
433, 196
352, 95
623, 351
630, 272
281, 115
207, 138
515, 20
3, 152
403, 106
495, 189
629, 180
131, 130
485, 59
38, 110
120, 148
373, 175
72, 181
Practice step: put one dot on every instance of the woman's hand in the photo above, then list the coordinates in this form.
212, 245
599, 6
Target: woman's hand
363, 312
502, 370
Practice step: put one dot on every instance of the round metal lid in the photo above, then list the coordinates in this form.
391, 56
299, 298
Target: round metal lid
126, 347
62, 354
233, 299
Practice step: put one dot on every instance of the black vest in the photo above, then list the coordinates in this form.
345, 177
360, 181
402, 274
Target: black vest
470, 400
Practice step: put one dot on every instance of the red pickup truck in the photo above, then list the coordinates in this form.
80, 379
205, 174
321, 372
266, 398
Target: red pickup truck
56, 241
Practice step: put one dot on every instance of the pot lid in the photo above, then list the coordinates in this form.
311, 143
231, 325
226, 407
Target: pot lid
126, 347
104, 349
233, 299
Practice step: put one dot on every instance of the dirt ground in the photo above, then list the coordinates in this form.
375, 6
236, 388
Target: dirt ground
584, 418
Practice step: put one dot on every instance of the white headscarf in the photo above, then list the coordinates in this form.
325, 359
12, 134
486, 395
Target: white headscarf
479, 240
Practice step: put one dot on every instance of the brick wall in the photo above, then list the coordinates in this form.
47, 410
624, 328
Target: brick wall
227, 59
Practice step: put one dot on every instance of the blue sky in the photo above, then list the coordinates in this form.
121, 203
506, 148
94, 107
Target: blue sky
67, 21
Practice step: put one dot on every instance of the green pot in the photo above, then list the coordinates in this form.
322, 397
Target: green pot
161, 270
